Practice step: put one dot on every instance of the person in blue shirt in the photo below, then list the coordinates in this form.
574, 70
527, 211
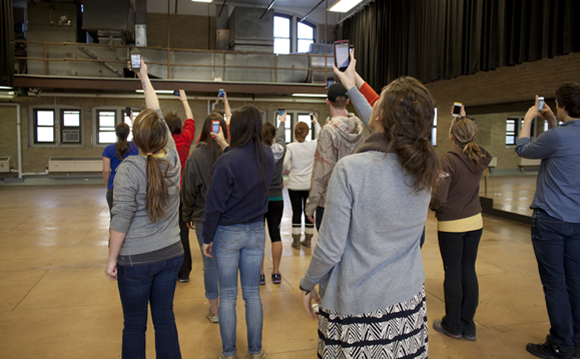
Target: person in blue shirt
556, 218
114, 154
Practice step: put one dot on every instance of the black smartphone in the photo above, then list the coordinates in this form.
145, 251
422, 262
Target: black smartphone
221, 93
311, 117
281, 111
135, 60
176, 92
128, 111
329, 81
457, 108
215, 126
341, 54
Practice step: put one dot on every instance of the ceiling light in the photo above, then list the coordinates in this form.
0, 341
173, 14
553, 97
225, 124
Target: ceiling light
309, 95
5, 88
344, 5
156, 91
201, 0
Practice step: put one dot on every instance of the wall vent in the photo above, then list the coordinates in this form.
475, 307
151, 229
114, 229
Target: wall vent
71, 136
75, 164
4, 164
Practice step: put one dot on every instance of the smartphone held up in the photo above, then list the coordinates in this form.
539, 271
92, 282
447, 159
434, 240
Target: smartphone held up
215, 126
341, 54
281, 111
540, 103
135, 60
457, 108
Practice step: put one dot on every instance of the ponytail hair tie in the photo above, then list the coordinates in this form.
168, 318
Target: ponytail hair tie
149, 154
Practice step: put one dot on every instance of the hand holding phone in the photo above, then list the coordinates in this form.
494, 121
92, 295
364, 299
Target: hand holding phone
456, 111
341, 54
540, 103
176, 93
135, 60
281, 111
128, 111
215, 126
221, 93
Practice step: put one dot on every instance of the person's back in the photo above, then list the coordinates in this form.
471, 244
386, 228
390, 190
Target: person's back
302, 154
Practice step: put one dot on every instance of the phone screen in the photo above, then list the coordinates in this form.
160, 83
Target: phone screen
176, 92
128, 111
341, 55
135, 60
280, 111
329, 82
540, 103
215, 126
221, 93
457, 108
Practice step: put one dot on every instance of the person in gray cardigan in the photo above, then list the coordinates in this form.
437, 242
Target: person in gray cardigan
367, 261
276, 139
145, 252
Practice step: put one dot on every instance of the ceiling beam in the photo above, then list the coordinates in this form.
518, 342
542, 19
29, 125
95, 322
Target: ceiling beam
314, 8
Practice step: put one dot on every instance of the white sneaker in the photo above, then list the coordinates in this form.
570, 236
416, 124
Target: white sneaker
213, 318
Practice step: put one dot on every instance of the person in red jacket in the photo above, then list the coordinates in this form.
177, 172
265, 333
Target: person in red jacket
183, 136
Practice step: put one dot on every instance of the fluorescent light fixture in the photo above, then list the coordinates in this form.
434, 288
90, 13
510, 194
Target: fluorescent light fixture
201, 0
156, 91
344, 5
5, 88
309, 94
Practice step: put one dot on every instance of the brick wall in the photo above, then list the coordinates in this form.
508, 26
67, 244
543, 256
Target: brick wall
35, 159
506, 85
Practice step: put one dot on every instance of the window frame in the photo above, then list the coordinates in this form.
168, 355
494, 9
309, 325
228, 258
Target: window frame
98, 124
294, 40
63, 128
57, 128
119, 118
290, 34
293, 120
309, 24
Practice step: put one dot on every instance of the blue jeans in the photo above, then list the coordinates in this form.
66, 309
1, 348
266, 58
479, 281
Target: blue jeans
209, 272
154, 284
240, 247
557, 247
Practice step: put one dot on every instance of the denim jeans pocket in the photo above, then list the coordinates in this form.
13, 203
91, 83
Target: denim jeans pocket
546, 227
138, 273
260, 238
229, 239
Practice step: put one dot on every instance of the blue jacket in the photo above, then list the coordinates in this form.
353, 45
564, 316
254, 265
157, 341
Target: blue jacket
236, 194
558, 184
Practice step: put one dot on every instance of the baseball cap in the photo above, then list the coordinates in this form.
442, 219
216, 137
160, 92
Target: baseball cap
336, 90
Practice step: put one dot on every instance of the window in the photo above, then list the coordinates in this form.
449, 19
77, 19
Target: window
434, 129
510, 131
282, 34
71, 126
305, 36
291, 35
127, 120
106, 121
292, 118
44, 126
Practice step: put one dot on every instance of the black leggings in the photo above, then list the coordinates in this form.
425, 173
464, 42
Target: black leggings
298, 201
274, 218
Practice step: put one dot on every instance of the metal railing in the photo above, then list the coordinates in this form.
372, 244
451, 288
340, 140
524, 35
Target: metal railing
53, 59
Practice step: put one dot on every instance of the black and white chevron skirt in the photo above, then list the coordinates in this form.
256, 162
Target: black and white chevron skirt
399, 331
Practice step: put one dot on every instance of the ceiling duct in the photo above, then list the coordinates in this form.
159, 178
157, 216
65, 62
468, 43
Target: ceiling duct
249, 32
112, 20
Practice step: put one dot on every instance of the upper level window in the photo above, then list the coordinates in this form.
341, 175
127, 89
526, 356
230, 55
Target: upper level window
282, 34
44, 126
305, 36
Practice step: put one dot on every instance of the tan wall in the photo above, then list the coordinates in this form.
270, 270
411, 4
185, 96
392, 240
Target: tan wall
502, 86
186, 31
35, 159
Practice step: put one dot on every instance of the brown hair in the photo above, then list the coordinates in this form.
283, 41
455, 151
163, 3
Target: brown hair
268, 133
150, 135
301, 131
568, 97
121, 146
173, 122
213, 148
408, 110
464, 132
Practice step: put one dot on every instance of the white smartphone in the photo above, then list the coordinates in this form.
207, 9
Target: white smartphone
540, 103
341, 54
457, 108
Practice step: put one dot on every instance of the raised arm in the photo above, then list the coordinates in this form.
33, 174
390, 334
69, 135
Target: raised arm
227, 109
183, 99
151, 100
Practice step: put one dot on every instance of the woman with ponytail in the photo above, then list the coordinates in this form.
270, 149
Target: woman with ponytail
114, 154
459, 226
367, 261
145, 252
233, 228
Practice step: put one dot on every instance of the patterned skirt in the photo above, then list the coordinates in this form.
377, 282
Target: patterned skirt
399, 331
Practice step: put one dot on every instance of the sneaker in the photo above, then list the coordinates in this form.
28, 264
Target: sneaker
471, 338
438, 327
183, 280
260, 355
262, 279
548, 350
213, 318
276, 278
222, 356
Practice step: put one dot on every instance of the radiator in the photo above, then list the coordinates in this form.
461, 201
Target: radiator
75, 164
4, 164
524, 162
